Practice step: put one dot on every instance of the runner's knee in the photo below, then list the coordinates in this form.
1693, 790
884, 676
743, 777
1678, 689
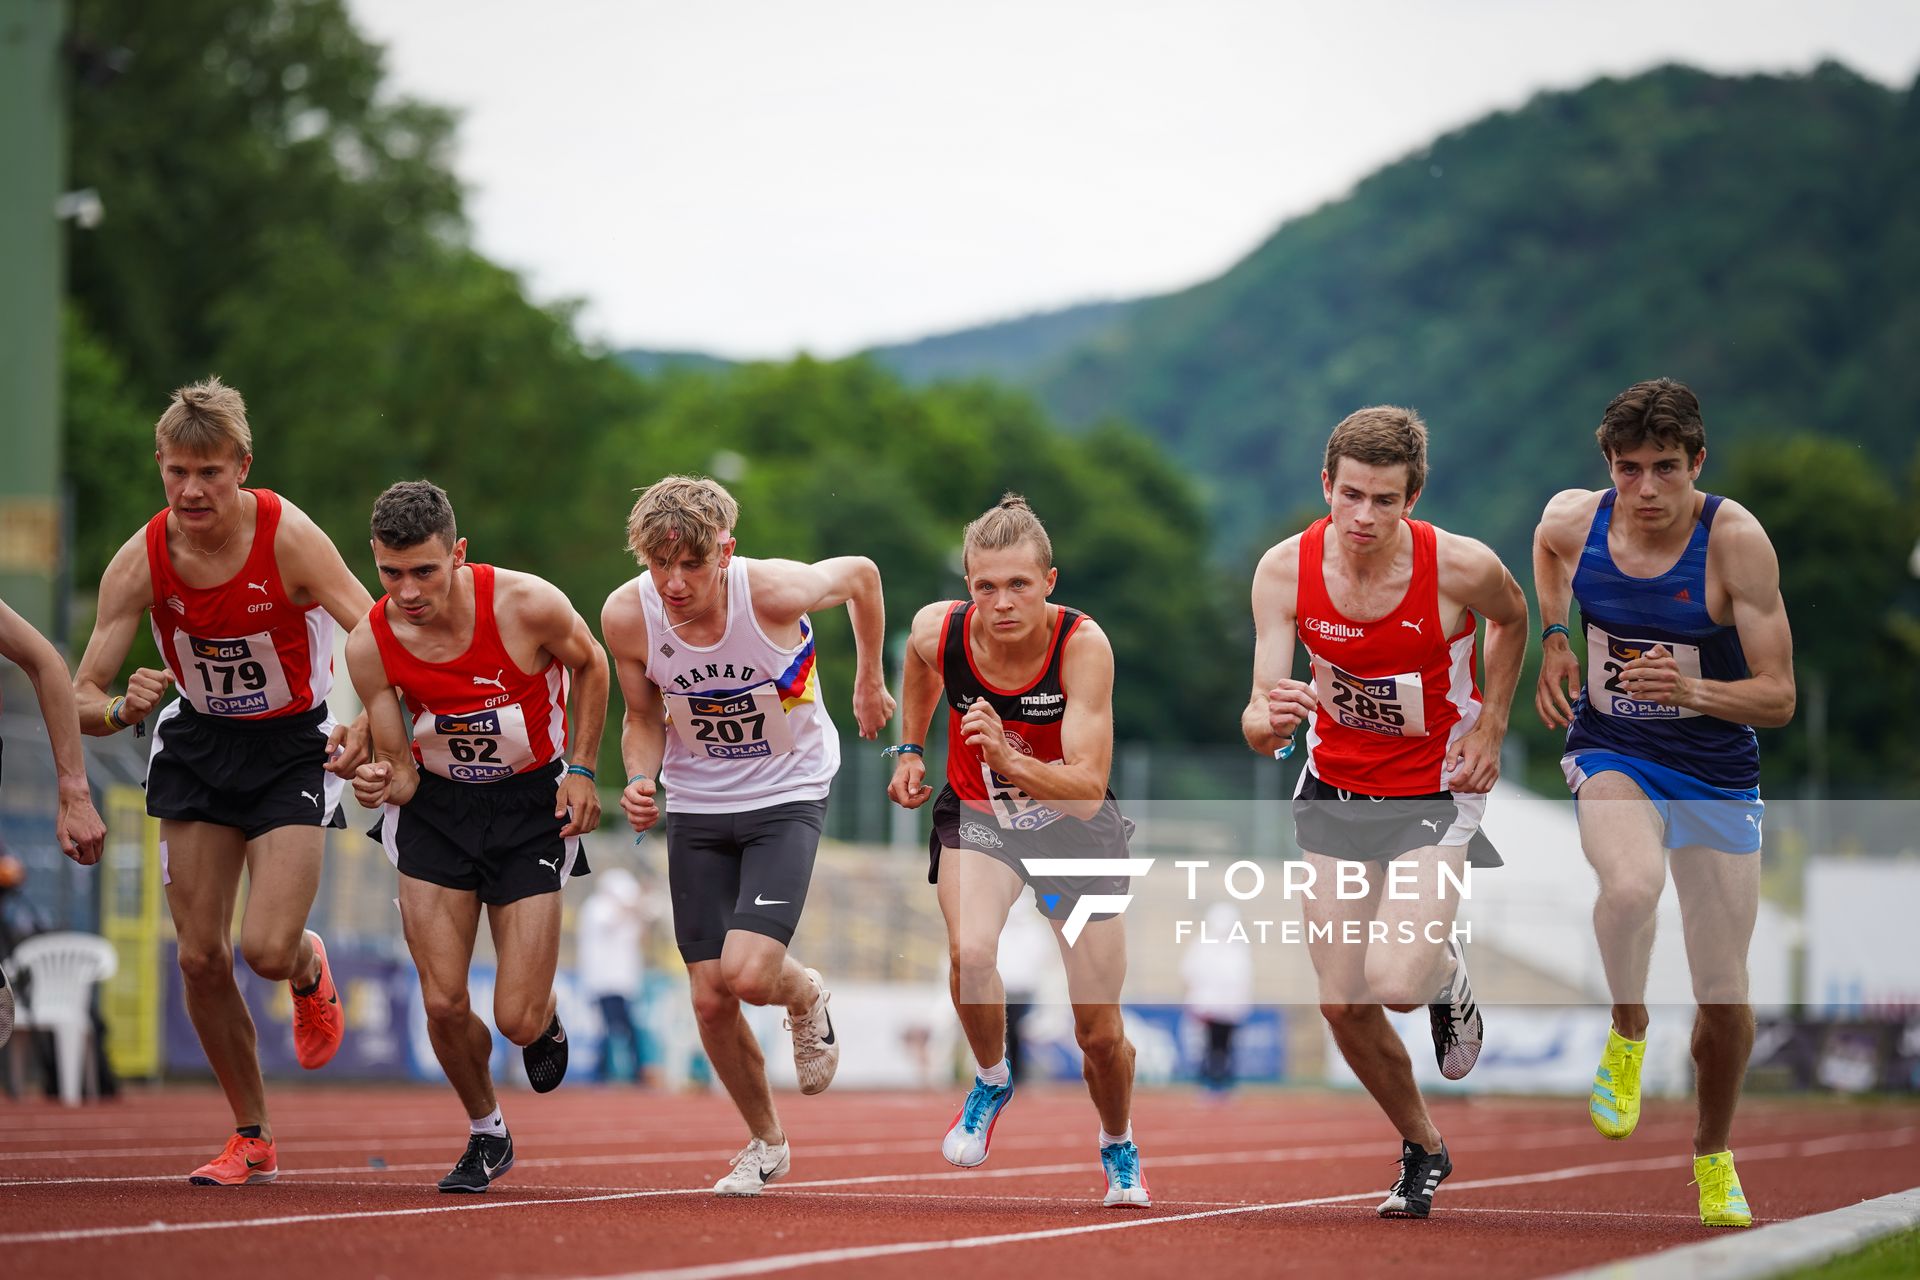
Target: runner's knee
210, 965
446, 1006
271, 959
1100, 1038
521, 1022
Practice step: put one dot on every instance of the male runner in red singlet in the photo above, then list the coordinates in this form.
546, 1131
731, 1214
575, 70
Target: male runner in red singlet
242, 592
1029, 688
1402, 747
479, 803
718, 647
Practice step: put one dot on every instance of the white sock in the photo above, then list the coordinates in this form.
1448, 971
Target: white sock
493, 1126
1111, 1140
999, 1074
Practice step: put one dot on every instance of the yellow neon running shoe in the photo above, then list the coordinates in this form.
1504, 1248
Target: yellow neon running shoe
1614, 1104
1722, 1202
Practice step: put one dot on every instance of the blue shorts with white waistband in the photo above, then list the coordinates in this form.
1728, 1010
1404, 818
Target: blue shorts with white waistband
1691, 812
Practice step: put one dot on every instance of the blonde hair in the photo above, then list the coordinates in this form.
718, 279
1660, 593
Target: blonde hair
1382, 436
685, 514
204, 418
1008, 524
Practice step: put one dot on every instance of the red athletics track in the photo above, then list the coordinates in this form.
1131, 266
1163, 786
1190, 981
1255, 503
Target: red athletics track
612, 1181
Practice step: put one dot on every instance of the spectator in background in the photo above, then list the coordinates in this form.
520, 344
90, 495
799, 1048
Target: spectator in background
607, 955
1219, 978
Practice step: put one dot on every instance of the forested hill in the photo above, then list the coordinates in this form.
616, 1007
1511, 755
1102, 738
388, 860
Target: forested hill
1757, 237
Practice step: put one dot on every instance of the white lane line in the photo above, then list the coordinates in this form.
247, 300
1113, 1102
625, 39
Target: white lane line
1185, 1135
1771, 1250
163, 1228
823, 1257
1569, 1137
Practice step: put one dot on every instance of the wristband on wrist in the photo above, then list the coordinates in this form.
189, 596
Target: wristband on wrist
638, 777
905, 749
1547, 633
112, 717
582, 770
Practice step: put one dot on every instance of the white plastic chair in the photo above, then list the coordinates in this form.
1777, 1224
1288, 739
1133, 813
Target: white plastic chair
59, 971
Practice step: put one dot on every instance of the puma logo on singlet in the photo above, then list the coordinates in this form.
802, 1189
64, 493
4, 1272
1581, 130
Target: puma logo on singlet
495, 682
553, 866
261, 587
1414, 623
174, 603
309, 795
1429, 822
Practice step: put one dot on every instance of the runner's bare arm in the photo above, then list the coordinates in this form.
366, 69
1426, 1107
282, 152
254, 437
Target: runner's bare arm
126, 591
390, 777
920, 687
1556, 552
1077, 785
1278, 703
1472, 574
643, 729
785, 589
556, 626
77, 827
312, 570
1744, 559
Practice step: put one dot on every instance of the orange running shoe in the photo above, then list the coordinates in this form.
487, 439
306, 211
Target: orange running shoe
241, 1161
318, 1022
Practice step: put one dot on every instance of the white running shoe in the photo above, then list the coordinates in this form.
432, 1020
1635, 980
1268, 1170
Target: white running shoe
755, 1166
816, 1052
1456, 1022
1126, 1184
972, 1129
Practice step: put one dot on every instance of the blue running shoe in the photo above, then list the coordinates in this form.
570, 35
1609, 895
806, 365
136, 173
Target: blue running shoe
1126, 1185
971, 1131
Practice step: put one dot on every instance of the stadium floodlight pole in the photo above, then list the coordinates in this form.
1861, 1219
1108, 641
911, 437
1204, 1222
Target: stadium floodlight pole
33, 157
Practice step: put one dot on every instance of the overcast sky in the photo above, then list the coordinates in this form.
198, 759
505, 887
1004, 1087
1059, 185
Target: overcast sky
757, 178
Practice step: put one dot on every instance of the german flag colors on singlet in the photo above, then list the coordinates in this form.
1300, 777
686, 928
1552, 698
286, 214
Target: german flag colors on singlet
242, 650
478, 718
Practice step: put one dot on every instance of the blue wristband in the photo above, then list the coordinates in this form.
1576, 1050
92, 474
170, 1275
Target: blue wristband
906, 749
582, 770
638, 777
1560, 627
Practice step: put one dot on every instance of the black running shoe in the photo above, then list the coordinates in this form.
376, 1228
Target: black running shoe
1420, 1175
1458, 1029
485, 1161
546, 1058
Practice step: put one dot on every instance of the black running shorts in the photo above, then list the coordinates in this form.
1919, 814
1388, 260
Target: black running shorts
747, 870
497, 840
1105, 835
251, 775
1361, 828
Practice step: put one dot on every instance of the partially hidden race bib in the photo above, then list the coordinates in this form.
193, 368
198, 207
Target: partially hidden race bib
237, 676
475, 746
1394, 706
1014, 808
749, 725
1607, 658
